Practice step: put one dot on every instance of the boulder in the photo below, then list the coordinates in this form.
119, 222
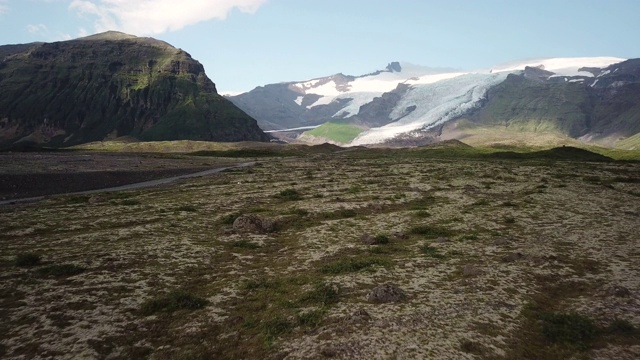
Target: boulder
618, 291
512, 257
368, 239
471, 271
386, 293
254, 224
361, 316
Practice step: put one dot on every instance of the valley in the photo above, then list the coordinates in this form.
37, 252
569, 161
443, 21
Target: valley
484, 254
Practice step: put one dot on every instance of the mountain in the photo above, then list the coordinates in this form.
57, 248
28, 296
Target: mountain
601, 108
567, 99
111, 85
313, 102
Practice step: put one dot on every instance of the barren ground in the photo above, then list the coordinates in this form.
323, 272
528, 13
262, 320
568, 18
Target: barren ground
505, 259
25, 175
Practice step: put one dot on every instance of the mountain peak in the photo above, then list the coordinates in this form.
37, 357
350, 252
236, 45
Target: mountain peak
109, 35
394, 67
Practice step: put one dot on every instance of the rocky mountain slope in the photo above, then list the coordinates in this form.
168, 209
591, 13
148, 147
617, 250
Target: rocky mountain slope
568, 99
603, 108
111, 85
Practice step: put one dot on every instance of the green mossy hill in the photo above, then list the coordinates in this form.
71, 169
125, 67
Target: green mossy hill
579, 107
111, 85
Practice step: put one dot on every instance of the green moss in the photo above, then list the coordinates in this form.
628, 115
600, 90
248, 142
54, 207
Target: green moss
430, 231
338, 132
343, 266
289, 195
28, 259
322, 294
431, 251
173, 301
572, 329
61, 270
243, 244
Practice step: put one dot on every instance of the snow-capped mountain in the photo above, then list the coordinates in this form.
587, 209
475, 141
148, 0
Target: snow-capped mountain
404, 98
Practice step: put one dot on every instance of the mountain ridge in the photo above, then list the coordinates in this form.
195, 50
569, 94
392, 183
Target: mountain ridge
110, 85
397, 103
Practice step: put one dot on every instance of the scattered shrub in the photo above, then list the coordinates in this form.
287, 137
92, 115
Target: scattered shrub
27, 259
130, 202
322, 294
229, 218
430, 231
381, 239
471, 347
431, 251
619, 326
298, 212
276, 327
310, 318
352, 265
470, 237
289, 195
572, 329
175, 300
339, 214
422, 214
78, 199
187, 208
481, 202
261, 283
243, 244
60, 270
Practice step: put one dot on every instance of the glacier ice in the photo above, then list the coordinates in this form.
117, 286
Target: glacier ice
434, 104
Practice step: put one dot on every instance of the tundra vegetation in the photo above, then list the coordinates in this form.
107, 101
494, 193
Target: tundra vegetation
381, 253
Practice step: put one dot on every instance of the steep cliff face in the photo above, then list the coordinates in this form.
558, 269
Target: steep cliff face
111, 85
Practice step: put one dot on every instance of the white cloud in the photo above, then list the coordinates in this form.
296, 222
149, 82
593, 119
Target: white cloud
36, 29
147, 17
4, 8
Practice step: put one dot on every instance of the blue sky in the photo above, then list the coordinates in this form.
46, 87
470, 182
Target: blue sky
247, 43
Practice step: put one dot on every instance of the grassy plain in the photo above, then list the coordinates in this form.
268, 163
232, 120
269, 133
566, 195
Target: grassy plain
508, 257
338, 132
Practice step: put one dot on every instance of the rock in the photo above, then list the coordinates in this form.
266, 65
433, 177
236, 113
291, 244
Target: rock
360, 316
329, 351
386, 293
618, 291
253, 224
368, 239
471, 271
399, 236
513, 257
470, 189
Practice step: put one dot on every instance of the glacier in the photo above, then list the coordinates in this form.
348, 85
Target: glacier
438, 98
434, 104
427, 97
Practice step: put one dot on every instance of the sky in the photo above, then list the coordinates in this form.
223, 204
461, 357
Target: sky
247, 43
